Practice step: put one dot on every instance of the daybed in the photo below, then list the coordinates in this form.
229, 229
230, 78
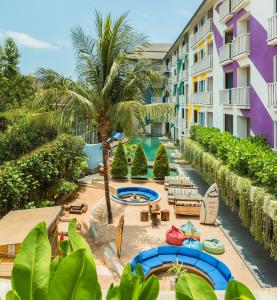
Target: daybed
177, 181
198, 262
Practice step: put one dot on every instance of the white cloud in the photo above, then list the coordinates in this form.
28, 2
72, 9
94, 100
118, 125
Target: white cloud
26, 40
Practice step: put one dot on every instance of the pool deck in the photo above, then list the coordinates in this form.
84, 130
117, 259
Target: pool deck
138, 236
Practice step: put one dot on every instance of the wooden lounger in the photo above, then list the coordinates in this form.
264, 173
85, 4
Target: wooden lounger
189, 207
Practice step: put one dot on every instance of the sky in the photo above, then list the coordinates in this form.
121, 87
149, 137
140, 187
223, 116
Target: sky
41, 28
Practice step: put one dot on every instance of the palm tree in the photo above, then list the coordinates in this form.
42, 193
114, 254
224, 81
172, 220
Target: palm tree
111, 87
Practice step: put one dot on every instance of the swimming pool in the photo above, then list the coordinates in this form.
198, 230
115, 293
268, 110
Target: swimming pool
150, 146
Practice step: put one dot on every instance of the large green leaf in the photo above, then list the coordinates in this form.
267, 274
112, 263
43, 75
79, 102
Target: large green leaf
140, 273
112, 292
128, 284
150, 289
54, 266
72, 234
193, 287
12, 295
75, 279
31, 270
65, 247
238, 291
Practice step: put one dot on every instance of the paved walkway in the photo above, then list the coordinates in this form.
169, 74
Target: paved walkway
256, 257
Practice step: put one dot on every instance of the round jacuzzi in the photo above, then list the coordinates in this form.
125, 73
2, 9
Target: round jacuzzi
136, 195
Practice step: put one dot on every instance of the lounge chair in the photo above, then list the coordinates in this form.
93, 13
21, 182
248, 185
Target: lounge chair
177, 181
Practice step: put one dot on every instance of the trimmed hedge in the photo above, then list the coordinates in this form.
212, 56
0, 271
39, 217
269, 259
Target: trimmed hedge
119, 164
139, 163
42, 174
161, 165
250, 157
256, 208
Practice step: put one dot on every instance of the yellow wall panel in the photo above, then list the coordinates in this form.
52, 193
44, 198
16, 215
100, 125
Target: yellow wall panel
210, 39
201, 46
203, 76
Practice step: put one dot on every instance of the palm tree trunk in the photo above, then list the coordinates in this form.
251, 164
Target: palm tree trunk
106, 176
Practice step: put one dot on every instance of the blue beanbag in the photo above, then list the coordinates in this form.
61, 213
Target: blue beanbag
193, 244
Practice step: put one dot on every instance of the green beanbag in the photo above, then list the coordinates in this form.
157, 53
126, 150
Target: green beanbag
213, 246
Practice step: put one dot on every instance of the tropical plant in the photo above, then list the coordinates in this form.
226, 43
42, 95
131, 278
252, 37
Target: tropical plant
139, 163
177, 269
111, 87
119, 164
161, 165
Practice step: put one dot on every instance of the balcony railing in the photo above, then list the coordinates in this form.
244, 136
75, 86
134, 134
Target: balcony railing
157, 100
202, 65
235, 97
202, 31
225, 10
241, 45
272, 30
225, 53
204, 98
236, 5
272, 94
184, 74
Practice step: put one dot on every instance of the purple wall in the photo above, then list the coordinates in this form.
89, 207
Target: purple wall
261, 56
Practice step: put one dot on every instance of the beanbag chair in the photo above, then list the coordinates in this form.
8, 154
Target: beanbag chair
190, 231
193, 244
213, 246
175, 236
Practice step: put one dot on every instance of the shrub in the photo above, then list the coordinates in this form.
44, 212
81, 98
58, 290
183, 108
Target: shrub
119, 164
161, 165
32, 177
139, 163
249, 157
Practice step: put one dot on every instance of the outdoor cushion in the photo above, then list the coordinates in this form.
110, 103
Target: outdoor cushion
167, 258
134, 262
224, 270
148, 254
216, 277
168, 249
193, 244
153, 262
186, 260
213, 246
188, 252
220, 286
174, 236
208, 259
146, 269
204, 267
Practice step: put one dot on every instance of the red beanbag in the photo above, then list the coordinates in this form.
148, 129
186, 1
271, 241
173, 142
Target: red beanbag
175, 236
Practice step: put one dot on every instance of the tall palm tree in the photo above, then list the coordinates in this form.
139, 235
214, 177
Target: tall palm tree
111, 87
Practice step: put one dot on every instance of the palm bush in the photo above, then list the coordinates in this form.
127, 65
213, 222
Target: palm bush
119, 164
111, 86
161, 164
139, 164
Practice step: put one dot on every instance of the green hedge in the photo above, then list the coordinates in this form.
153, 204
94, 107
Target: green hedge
250, 157
256, 208
22, 133
42, 174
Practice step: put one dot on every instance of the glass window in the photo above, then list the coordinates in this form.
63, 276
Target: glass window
201, 54
202, 86
202, 118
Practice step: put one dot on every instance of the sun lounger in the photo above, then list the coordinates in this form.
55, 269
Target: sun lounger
177, 181
181, 194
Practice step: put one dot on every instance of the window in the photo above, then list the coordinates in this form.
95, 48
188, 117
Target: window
183, 66
201, 54
195, 58
228, 37
202, 118
195, 87
175, 72
229, 80
183, 90
201, 86
195, 116
202, 22
275, 6
275, 67
183, 113
195, 29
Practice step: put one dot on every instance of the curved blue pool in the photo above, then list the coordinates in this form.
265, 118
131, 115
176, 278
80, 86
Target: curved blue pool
136, 195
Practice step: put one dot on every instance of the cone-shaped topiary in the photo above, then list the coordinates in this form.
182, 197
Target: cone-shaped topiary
139, 163
119, 165
161, 165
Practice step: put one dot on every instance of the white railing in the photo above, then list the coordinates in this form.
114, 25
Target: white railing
182, 99
157, 100
202, 31
173, 99
241, 45
224, 9
272, 28
185, 74
202, 65
225, 53
204, 98
237, 3
272, 94
236, 96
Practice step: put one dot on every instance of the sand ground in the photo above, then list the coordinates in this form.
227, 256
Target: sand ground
138, 236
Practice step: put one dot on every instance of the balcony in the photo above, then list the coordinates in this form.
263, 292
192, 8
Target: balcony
204, 98
203, 31
241, 46
272, 30
237, 5
184, 74
203, 65
157, 100
272, 95
225, 11
225, 54
235, 97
